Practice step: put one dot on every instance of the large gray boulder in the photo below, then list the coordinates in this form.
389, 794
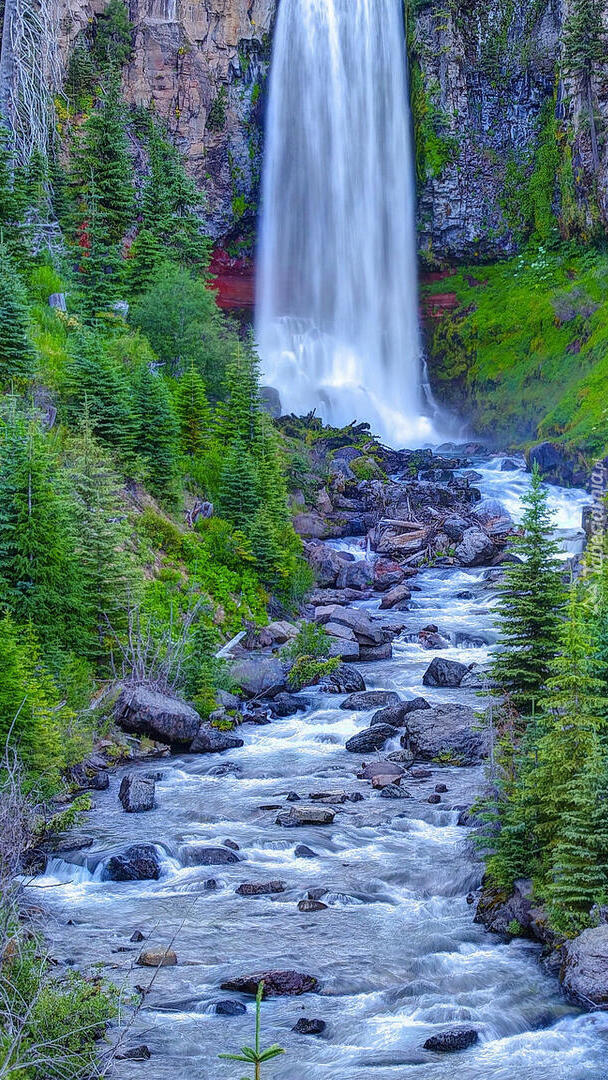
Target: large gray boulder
326, 562
346, 680
141, 711
370, 699
136, 793
371, 739
201, 855
397, 715
365, 631
399, 596
306, 815
210, 740
475, 548
446, 673
356, 575
276, 983
259, 676
448, 732
584, 970
140, 862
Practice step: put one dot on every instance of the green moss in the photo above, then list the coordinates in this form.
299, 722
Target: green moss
216, 120
525, 355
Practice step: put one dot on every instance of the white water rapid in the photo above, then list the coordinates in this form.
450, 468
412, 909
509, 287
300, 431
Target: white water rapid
337, 312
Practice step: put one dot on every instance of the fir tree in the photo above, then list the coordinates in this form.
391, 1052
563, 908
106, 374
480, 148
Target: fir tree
17, 360
269, 556
271, 473
238, 414
157, 432
98, 387
113, 38
173, 205
238, 494
145, 257
193, 412
531, 600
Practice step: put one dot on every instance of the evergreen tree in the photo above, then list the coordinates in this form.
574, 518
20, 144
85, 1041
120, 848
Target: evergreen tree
36, 558
157, 432
98, 387
173, 205
531, 600
239, 413
193, 412
100, 268
17, 360
238, 493
145, 257
271, 473
269, 556
105, 571
113, 37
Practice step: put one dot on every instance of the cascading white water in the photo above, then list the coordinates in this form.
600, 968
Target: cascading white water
337, 313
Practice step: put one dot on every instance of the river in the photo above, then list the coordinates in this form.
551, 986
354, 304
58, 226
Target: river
397, 954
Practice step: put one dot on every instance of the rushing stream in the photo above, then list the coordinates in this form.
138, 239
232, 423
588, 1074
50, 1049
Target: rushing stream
397, 954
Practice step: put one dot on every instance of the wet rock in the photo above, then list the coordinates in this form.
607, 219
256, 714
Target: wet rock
394, 791
364, 629
454, 527
382, 780
136, 794
396, 715
499, 911
305, 1026
157, 958
402, 757
421, 774
311, 905
140, 862
288, 705
227, 768
338, 631
380, 768
475, 548
356, 575
141, 711
276, 983
434, 799
232, 845
230, 1008
371, 739
137, 936
401, 594
441, 789
584, 970
259, 676
134, 1053
210, 884
306, 815
292, 796
450, 1041
210, 740
449, 733
387, 574
344, 650
99, 781
346, 680
370, 653
259, 888
304, 852
371, 699
200, 855
508, 465
442, 672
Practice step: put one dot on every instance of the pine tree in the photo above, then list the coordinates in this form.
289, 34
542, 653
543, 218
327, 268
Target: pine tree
271, 473
145, 257
157, 432
266, 547
193, 412
173, 205
98, 387
113, 39
531, 600
36, 558
17, 359
105, 571
100, 269
238, 493
239, 413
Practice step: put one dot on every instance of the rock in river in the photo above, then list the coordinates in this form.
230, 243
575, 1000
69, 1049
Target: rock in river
199, 855
346, 680
442, 672
306, 815
259, 676
584, 971
210, 740
157, 958
140, 862
371, 739
276, 983
141, 711
396, 715
260, 888
136, 793
305, 1026
449, 1041
371, 699
230, 1008
448, 732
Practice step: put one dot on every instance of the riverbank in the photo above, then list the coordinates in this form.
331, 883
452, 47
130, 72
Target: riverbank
376, 911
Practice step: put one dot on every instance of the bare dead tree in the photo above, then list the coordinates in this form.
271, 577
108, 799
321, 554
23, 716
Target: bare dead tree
149, 655
30, 73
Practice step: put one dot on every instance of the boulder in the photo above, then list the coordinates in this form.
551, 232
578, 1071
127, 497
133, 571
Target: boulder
311, 905
134, 1053
477, 678
288, 705
498, 911
140, 862
370, 699
326, 564
303, 852
508, 465
365, 631
442, 672
306, 815
454, 527
401, 594
141, 711
344, 650
381, 768
200, 855
387, 574
376, 652
282, 631
394, 791
382, 780
136, 794
310, 524
490, 510
475, 548
346, 680
556, 464
210, 740
259, 676
276, 984
305, 1026
371, 739
448, 733
260, 888
396, 715
356, 575
157, 958
447, 1042
230, 1008
584, 970
338, 630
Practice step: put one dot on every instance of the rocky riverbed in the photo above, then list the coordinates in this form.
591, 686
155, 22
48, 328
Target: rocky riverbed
326, 845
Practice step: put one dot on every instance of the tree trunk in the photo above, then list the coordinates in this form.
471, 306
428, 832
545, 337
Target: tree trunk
7, 63
594, 149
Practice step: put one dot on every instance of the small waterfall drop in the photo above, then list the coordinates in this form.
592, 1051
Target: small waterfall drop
337, 311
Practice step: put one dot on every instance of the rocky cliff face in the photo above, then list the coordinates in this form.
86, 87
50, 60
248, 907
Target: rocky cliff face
201, 65
483, 77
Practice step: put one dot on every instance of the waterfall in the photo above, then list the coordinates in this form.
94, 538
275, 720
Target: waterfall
337, 306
